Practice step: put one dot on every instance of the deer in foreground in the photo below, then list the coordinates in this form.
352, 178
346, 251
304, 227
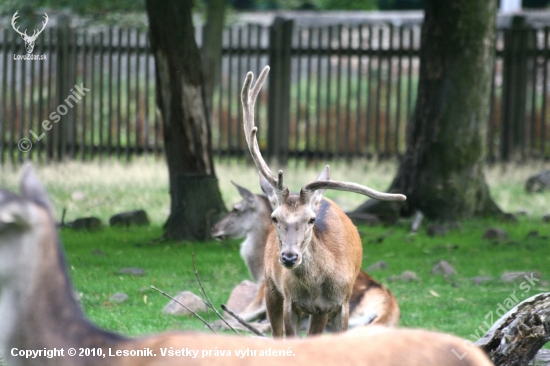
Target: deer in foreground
38, 311
370, 302
314, 253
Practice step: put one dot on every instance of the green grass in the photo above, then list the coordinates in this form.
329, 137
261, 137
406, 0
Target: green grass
460, 308
112, 187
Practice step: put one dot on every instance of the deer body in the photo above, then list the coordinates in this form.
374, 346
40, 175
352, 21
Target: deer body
370, 302
315, 242
38, 311
322, 284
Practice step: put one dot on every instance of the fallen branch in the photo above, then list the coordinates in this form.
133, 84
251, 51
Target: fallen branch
243, 322
186, 308
209, 302
516, 338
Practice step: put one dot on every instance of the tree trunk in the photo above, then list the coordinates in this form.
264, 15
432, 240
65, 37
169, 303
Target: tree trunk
515, 339
212, 47
194, 192
442, 171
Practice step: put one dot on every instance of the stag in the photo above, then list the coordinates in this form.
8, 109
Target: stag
29, 40
39, 313
314, 253
370, 302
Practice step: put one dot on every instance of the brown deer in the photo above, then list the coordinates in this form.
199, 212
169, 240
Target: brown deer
314, 253
41, 322
370, 302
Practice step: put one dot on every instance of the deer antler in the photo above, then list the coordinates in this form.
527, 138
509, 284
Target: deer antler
35, 34
248, 98
15, 16
308, 190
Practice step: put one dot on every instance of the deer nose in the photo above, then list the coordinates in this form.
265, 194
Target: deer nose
289, 259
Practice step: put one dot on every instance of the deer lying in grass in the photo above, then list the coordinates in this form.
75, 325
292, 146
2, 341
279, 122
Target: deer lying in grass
40, 316
370, 302
314, 254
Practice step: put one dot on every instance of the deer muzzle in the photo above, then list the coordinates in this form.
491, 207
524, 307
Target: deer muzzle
290, 259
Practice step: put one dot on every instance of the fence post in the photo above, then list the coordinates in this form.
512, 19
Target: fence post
518, 43
59, 133
278, 112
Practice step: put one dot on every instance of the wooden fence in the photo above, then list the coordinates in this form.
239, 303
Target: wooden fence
334, 92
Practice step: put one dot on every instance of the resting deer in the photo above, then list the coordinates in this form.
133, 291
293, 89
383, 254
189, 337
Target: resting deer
314, 253
370, 302
38, 312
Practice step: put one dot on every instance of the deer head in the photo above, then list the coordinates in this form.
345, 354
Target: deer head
293, 215
29, 40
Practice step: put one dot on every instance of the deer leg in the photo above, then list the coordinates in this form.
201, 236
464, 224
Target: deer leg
274, 306
340, 319
292, 318
317, 324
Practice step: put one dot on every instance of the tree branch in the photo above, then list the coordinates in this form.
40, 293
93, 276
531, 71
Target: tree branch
516, 338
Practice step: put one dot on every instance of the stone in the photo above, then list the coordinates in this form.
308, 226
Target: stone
523, 212
188, 299
132, 271
519, 276
129, 218
78, 196
532, 234
546, 218
495, 233
437, 230
443, 268
86, 223
119, 297
407, 276
481, 279
241, 296
377, 266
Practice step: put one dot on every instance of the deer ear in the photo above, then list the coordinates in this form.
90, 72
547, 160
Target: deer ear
32, 189
245, 193
14, 213
269, 191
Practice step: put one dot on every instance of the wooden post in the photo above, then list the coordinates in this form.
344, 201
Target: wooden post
59, 132
518, 41
278, 112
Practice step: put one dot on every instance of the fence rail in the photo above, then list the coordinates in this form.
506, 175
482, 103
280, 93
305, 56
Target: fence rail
335, 91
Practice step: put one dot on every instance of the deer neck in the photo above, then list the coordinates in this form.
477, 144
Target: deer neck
253, 246
38, 308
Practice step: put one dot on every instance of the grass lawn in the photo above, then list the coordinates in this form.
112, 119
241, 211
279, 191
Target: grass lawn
452, 305
456, 305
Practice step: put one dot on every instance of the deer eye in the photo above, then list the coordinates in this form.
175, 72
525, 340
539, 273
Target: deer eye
274, 219
312, 221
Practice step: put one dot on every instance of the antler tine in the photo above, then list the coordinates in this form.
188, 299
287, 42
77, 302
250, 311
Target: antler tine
43, 23
13, 19
248, 98
352, 187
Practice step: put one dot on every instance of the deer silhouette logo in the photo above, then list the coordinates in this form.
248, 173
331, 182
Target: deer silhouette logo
29, 40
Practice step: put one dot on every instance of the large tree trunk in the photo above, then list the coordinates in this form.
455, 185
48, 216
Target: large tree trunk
195, 196
442, 171
212, 47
